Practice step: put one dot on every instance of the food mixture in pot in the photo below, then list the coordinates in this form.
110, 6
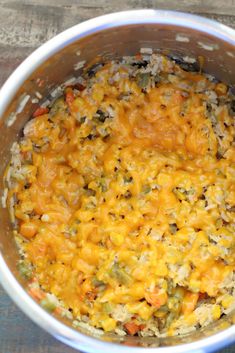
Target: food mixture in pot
122, 196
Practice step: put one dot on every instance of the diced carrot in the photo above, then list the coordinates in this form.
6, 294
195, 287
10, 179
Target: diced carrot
58, 310
79, 86
36, 293
129, 344
156, 298
28, 229
138, 56
69, 97
132, 328
91, 295
202, 296
221, 89
40, 111
189, 302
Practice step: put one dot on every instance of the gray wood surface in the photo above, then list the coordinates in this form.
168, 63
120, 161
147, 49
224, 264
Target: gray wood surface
24, 25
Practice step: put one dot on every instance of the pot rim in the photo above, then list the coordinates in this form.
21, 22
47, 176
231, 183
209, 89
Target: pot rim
33, 310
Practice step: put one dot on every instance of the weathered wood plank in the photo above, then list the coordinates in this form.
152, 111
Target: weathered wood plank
37, 23
10, 58
26, 25
208, 6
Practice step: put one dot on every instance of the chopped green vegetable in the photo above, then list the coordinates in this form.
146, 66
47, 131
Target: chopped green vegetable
100, 285
101, 116
103, 185
25, 269
164, 308
143, 79
48, 305
107, 308
173, 228
170, 319
58, 106
179, 293
127, 179
82, 119
120, 274
146, 189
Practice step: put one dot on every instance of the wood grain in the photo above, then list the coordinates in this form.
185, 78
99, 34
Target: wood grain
25, 25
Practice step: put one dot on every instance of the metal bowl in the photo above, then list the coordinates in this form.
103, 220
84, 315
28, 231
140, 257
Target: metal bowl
103, 38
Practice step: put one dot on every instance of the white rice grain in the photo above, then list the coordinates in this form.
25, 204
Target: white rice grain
11, 209
35, 100
146, 51
46, 103
4, 198
94, 331
11, 119
22, 104
45, 218
189, 59
120, 332
38, 95
70, 81
120, 313
181, 38
29, 127
79, 65
209, 47
56, 92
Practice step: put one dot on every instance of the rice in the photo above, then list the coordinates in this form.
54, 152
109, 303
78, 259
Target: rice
181, 38
146, 51
120, 313
4, 198
209, 47
35, 100
22, 104
79, 65
93, 331
189, 59
29, 127
38, 95
56, 92
70, 81
11, 119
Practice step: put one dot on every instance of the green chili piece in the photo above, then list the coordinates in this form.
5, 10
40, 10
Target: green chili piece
120, 274
48, 305
143, 79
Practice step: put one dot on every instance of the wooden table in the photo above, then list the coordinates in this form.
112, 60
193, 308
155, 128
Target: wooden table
24, 25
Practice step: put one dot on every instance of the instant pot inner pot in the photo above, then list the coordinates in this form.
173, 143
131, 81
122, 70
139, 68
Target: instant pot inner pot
216, 55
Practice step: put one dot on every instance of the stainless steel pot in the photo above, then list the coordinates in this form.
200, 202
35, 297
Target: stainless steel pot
102, 38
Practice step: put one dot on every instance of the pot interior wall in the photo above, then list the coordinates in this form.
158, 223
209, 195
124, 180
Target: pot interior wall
217, 57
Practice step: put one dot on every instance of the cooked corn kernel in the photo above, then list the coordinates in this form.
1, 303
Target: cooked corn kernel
216, 312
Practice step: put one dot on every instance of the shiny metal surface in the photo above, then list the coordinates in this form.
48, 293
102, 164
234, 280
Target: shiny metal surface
99, 39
